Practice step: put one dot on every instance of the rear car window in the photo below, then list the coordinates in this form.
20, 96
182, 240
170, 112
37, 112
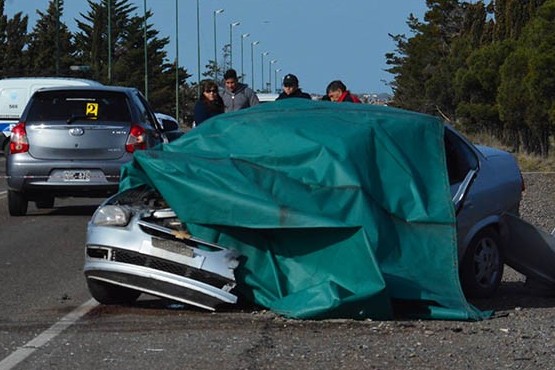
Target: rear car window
98, 106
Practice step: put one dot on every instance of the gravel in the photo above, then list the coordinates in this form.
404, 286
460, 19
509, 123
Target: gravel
518, 336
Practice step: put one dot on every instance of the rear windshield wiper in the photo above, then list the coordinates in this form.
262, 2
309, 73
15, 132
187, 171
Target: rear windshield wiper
77, 118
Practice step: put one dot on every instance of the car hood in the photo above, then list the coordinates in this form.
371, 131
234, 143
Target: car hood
339, 210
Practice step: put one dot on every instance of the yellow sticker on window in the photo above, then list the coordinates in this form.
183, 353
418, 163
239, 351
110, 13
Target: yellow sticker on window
92, 110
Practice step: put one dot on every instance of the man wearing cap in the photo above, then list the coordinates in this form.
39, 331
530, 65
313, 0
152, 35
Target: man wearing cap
237, 95
291, 88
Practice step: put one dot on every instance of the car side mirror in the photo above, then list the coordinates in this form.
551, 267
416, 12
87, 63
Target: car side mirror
168, 125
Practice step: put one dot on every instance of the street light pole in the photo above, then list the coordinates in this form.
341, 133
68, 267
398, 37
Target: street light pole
215, 45
109, 41
57, 37
262, 64
252, 61
198, 47
177, 60
276, 79
145, 53
242, 70
270, 74
231, 25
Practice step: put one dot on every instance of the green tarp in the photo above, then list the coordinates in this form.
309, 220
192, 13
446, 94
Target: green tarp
339, 210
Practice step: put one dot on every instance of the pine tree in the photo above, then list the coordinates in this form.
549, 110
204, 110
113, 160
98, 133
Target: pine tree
49, 31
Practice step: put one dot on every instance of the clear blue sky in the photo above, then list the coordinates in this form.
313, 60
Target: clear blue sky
318, 40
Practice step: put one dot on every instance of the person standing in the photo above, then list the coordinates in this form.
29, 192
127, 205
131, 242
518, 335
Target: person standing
291, 88
237, 95
337, 92
209, 104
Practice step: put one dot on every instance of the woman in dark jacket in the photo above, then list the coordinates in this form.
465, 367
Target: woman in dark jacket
209, 104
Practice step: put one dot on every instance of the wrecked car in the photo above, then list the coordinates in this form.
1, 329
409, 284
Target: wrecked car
136, 244
332, 210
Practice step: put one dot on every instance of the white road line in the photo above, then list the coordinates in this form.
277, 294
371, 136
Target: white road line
3, 194
65, 322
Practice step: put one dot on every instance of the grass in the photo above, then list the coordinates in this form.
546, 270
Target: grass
527, 162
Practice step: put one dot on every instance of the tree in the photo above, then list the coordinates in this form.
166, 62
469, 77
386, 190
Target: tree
47, 32
126, 66
476, 87
13, 38
95, 44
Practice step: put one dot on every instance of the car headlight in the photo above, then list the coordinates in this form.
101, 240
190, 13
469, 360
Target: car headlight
111, 216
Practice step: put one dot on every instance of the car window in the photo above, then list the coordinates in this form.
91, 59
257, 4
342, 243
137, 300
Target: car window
460, 157
98, 106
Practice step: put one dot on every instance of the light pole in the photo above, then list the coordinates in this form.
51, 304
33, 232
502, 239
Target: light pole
177, 60
57, 37
146, 54
198, 47
262, 55
216, 12
109, 41
242, 70
270, 74
276, 79
252, 61
231, 25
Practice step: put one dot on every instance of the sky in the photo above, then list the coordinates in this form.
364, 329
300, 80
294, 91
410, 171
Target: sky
317, 40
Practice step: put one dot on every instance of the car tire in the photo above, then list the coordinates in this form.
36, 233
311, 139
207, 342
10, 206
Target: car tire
107, 293
45, 203
482, 267
17, 203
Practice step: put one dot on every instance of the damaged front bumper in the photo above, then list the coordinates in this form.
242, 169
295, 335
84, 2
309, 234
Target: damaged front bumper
150, 258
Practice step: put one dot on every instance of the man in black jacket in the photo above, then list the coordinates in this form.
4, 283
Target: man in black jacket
291, 88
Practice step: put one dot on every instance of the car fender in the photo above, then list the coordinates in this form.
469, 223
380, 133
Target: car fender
495, 221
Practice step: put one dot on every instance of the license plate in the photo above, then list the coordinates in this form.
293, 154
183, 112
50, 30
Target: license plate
77, 176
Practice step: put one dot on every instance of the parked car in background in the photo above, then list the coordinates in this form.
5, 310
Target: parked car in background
130, 234
16, 92
72, 141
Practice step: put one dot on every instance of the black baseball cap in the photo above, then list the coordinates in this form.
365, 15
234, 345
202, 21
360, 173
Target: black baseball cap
290, 80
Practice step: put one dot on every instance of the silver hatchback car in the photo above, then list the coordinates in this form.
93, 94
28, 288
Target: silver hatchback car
72, 141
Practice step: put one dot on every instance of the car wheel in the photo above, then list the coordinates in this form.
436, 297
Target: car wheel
107, 293
17, 203
45, 203
6, 148
482, 266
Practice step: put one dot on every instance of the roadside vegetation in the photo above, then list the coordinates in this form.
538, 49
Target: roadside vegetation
487, 68
527, 162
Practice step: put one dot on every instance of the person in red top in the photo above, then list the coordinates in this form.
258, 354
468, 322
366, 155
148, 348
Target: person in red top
337, 91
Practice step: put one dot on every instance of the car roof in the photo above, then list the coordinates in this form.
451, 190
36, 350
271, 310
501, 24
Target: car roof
90, 88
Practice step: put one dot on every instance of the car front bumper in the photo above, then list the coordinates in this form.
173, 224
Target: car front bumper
192, 273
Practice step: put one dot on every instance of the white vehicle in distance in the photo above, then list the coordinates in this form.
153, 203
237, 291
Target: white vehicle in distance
266, 97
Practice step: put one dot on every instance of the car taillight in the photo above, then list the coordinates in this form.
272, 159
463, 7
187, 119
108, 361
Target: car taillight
18, 139
136, 139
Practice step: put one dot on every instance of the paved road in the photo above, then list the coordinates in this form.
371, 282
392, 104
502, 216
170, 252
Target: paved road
47, 320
